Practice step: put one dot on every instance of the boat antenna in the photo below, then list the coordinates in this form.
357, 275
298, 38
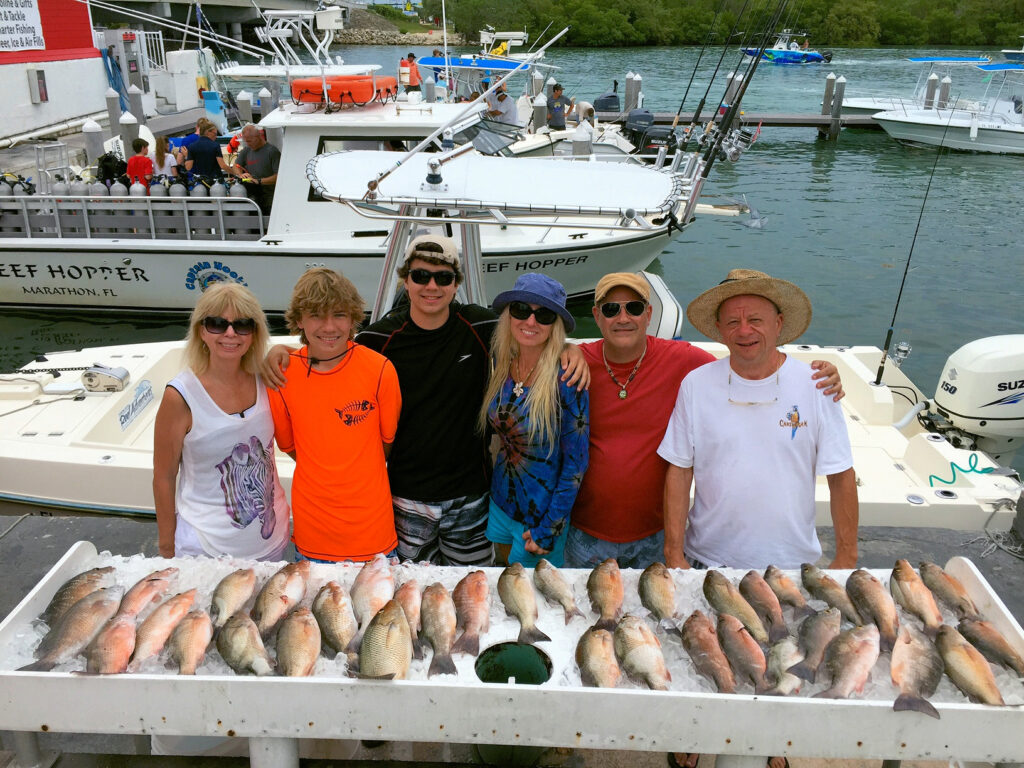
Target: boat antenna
447, 64
541, 36
374, 184
913, 242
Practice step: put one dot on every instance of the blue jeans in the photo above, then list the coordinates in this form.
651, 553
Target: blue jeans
585, 551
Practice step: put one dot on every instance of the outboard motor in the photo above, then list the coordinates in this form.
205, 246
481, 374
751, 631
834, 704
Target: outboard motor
979, 403
609, 101
647, 137
826, 55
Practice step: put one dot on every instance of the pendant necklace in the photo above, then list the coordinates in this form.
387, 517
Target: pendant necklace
622, 386
517, 390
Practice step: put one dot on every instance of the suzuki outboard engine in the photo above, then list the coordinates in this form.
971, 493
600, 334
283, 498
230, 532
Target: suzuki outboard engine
647, 137
981, 397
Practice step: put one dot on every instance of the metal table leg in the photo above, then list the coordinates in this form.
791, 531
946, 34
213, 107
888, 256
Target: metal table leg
273, 753
26, 750
740, 761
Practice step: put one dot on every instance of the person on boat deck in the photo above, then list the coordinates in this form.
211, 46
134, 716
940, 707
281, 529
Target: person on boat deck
257, 166
634, 381
164, 163
542, 424
215, 483
140, 167
203, 156
439, 467
336, 416
409, 62
754, 415
505, 110
559, 106
183, 145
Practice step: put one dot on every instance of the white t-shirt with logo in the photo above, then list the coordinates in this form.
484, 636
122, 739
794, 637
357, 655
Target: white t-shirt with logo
754, 466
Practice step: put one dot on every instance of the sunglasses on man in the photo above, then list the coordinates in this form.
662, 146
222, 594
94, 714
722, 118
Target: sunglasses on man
520, 310
611, 309
443, 278
217, 325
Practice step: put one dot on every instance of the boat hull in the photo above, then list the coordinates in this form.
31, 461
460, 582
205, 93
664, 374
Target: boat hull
776, 56
995, 137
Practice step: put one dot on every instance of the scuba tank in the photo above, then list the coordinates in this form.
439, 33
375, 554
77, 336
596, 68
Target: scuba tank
97, 189
79, 188
199, 188
60, 187
236, 189
218, 188
177, 188
6, 190
158, 187
24, 187
117, 189
138, 189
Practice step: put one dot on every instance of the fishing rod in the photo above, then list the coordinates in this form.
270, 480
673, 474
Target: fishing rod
541, 35
913, 242
693, 74
374, 184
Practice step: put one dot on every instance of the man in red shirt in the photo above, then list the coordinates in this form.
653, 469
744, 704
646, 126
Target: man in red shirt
634, 380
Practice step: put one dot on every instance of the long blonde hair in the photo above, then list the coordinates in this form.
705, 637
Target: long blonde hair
542, 399
216, 300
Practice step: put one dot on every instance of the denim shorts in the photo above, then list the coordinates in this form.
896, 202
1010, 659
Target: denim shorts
502, 529
585, 551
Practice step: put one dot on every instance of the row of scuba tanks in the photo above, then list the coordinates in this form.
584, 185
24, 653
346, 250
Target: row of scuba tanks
12, 185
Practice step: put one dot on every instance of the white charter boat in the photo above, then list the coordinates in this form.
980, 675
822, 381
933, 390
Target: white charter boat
926, 91
994, 124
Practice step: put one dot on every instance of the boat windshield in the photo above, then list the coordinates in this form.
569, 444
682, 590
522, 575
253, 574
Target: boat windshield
488, 136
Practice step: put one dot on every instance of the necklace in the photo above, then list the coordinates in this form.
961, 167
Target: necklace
312, 361
517, 390
622, 386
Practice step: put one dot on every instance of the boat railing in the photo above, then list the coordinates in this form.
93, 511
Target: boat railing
141, 218
153, 49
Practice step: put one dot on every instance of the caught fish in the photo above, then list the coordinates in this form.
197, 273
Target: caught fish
947, 589
787, 592
783, 655
298, 644
555, 588
149, 589
874, 604
279, 595
701, 642
993, 646
111, 651
916, 668
595, 657
386, 650
658, 595
725, 598
333, 612
816, 633
190, 641
604, 587
850, 658
967, 668
824, 587
73, 590
766, 604
76, 629
438, 615
743, 652
910, 592
516, 593
472, 598
231, 594
154, 631
639, 653
373, 587
409, 596
241, 646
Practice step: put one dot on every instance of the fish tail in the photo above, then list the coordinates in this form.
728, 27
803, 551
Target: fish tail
777, 632
43, 665
907, 703
802, 611
670, 627
804, 671
573, 611
467, 643
829, 693
441, 664
886, 643
417, 649
531, 635
603, 623
355, 643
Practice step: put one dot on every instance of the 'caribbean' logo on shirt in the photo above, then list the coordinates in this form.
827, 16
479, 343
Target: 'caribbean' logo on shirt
355, 412
792, 421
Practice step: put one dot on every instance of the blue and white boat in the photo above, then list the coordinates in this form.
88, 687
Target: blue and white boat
786, 50
938, 67
1014, 54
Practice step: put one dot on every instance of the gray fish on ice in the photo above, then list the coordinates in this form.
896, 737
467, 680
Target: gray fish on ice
231, 594
76, 629
815, 634
639, 653
916, 668
725, 598
824, 587
386, 650
516, 593
73, 590
701, 642
874, 604
279, 596
783, 655
241, 646
850, 658
333, 612
595, 657
765, 602
658, 595
555, 588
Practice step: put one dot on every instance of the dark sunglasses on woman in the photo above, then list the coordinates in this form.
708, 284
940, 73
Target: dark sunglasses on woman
611, 309
444, 278
243, 325
520, 310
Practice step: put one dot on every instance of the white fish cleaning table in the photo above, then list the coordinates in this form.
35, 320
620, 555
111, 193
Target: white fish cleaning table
274, 712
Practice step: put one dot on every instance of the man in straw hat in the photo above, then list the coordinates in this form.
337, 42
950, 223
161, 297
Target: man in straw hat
752, 432
634, 381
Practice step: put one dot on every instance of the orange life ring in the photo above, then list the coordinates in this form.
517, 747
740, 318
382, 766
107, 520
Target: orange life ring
341, 89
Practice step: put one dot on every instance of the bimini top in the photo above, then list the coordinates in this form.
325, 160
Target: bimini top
523, 185
1005, 66
949, 59
478, 62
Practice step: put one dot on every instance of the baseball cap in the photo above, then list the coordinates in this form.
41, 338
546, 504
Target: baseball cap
627, 279
433, 247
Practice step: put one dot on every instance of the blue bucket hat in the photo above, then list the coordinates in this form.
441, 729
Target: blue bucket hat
535, 288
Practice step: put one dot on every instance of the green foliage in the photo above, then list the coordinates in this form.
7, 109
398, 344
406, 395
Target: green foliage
851, 23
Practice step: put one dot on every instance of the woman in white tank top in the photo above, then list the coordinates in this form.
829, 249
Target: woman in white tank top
215, 482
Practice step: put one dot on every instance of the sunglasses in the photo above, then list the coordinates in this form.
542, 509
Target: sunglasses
611, 309
520, 310
243, 326
444, 278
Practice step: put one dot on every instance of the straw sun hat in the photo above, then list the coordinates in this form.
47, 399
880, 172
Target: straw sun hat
790, 300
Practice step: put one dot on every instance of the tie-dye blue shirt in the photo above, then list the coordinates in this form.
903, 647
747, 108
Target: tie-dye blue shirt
530, 486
